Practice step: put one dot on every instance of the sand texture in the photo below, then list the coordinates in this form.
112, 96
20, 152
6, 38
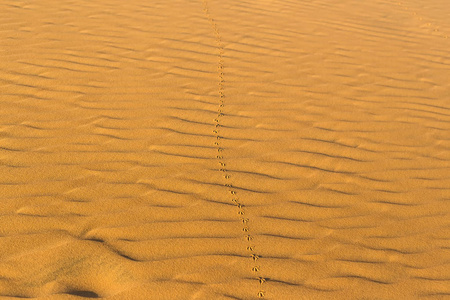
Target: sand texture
225, 149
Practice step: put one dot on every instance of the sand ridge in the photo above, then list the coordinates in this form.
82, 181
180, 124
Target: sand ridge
224, 149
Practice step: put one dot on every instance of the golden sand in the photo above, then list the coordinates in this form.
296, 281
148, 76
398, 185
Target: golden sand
280, 149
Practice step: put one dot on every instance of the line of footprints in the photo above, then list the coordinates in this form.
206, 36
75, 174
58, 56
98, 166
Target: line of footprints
233, 194
420, 18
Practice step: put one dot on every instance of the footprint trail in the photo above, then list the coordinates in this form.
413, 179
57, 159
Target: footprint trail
241, 212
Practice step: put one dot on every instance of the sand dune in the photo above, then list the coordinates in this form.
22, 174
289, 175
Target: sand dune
225, 149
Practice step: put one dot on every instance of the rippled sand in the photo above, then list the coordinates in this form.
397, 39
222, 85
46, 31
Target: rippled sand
212, 149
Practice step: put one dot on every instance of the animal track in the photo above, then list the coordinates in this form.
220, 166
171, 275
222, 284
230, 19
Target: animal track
241, 212
429, 25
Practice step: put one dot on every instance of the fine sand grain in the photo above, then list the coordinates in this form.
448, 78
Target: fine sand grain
209, 149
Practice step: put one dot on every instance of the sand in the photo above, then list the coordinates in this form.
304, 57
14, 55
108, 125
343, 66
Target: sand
212, 149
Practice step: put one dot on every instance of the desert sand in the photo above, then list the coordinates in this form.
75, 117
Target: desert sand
211, 149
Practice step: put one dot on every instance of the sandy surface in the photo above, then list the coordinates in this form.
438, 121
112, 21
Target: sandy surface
170, 149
